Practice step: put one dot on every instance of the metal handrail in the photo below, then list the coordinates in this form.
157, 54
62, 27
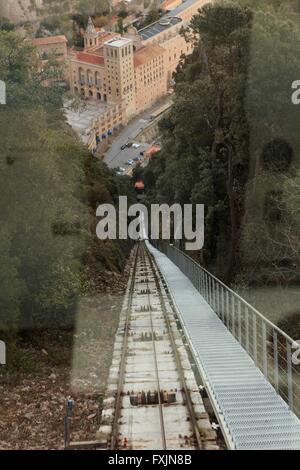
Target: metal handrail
250, 327
237, 296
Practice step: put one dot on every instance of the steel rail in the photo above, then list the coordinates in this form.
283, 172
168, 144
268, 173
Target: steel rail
114, 440
180, 370
160, 405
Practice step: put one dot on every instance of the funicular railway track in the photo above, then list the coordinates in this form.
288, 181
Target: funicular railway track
153, 401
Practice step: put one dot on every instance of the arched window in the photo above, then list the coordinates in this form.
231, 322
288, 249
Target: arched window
98, 96
90, 93
97, 79
81, 75
89, 77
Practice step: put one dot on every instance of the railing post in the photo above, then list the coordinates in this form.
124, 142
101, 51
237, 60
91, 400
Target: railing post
213, 294
223, 305
265, 352
247, 328
240, 321
254, 339
227, 309
289, 373
275, 353
233, 315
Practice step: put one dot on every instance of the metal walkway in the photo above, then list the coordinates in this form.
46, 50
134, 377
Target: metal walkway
251, 414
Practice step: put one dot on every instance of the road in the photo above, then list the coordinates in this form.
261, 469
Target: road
115, 157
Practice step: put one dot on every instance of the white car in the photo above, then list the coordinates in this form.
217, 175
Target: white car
136, 146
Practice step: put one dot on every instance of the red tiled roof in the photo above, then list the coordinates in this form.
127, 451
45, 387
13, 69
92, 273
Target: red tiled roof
169, 3
152, 150
139, 185
90, 58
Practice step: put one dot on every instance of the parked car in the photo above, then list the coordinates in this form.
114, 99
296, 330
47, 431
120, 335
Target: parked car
119, 170
136, 159
123, 147
136, 146
129, 162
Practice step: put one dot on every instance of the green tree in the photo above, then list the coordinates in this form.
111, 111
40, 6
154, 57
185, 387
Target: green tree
51, 187
6, 25
93, 7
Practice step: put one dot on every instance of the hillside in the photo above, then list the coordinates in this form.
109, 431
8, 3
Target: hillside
32, 10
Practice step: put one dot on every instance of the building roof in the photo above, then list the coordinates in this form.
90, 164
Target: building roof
90, 58
186, 4
152, 150
159, 26
106, 35
139, 185
143, 55
169, 4
118, 42
48, 40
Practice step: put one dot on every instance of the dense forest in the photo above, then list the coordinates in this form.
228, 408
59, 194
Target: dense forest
50, 188
231, 140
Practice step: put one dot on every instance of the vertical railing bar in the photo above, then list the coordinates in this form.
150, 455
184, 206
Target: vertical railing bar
201, 282
254, 339
275, 353
214, 296
247, 328
233, 315
218, 299
240, 321
223, 305
227, 309
289, 373
264, 345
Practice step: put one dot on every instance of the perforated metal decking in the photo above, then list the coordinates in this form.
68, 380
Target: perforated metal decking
251, 413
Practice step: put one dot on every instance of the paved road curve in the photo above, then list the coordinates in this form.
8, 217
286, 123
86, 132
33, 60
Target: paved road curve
115, 157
